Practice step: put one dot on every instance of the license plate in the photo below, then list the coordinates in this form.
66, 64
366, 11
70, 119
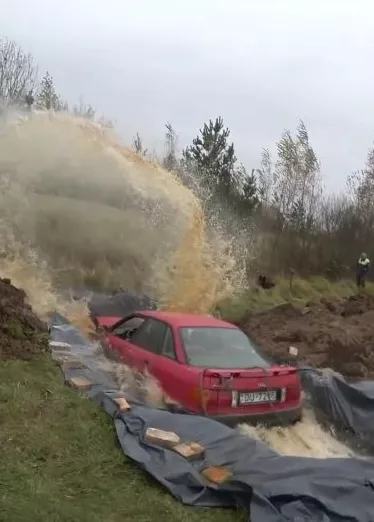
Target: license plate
257, 397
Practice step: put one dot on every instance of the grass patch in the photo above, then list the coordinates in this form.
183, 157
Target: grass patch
302, 291
60, 461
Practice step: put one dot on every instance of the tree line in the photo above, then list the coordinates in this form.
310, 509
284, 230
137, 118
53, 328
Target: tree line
280, 205
292, 225
21, 86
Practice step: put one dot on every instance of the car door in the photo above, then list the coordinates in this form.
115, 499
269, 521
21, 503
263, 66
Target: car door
156, 349
119, 335
168, 370
146, 344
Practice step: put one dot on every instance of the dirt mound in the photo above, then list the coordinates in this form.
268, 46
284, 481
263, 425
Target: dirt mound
22, 334
331, 333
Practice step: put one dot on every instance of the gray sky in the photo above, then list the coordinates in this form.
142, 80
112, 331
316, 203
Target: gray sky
263, 66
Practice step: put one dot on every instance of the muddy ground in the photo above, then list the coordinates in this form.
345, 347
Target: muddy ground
336, 334
22, 334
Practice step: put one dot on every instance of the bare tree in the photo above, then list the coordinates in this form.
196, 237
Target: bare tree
170, 161
295, 190
138, 145
17, 72
84, 110
106, 122
360, 186
297, 178
265, 178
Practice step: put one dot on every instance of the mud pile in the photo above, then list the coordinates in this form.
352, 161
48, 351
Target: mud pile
328, 334
22, 334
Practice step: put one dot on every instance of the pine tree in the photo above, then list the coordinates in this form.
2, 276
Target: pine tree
249, 189
47, 98
213, 157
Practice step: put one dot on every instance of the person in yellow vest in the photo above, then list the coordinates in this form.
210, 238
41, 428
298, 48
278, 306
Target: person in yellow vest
363, 266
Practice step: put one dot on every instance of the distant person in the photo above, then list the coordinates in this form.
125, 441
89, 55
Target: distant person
363, 266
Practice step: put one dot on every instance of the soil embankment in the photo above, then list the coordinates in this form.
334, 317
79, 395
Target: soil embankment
337, 334
22, 333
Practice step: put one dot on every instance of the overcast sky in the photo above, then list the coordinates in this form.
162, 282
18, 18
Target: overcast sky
262, 66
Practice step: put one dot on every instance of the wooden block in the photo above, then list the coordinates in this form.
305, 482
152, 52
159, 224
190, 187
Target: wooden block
167, 439
80, 383
190, 450
217, 475
123, 405
72, 364
58, 345
68, 361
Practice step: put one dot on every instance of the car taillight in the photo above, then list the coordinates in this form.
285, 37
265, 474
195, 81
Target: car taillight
202, 396
293, 391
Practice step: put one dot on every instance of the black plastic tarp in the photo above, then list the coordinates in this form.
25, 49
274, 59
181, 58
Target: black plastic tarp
119, 304
347, 406
271, 487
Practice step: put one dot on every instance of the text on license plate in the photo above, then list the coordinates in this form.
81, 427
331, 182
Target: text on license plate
257, 397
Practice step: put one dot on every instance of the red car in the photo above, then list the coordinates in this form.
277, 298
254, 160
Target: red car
210, 367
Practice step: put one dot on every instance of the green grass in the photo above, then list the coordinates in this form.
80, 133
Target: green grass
302, 290
60, 461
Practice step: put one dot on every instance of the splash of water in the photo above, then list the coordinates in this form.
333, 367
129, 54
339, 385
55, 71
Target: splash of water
305, 439
91, 207
98, 208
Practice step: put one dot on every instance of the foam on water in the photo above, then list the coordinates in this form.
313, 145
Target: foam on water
305, 439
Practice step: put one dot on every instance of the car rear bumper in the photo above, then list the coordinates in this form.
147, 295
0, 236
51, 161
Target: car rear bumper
274, 418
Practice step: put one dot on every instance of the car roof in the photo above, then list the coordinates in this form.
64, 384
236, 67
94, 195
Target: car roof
180, 320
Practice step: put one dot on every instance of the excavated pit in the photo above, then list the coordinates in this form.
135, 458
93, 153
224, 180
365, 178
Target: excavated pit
337, 334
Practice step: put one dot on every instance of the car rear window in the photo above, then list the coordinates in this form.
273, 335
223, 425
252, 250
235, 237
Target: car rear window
221, 348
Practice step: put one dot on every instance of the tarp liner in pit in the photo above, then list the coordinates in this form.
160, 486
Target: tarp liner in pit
119, 304
272, 488
348, 406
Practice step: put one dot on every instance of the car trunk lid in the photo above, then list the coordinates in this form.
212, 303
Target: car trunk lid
257, 388
242, 378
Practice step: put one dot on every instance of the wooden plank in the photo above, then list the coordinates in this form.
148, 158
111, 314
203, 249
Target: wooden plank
190, 450
216, 474
58, 346
122, 403
68, 362
80, 383
162, 438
